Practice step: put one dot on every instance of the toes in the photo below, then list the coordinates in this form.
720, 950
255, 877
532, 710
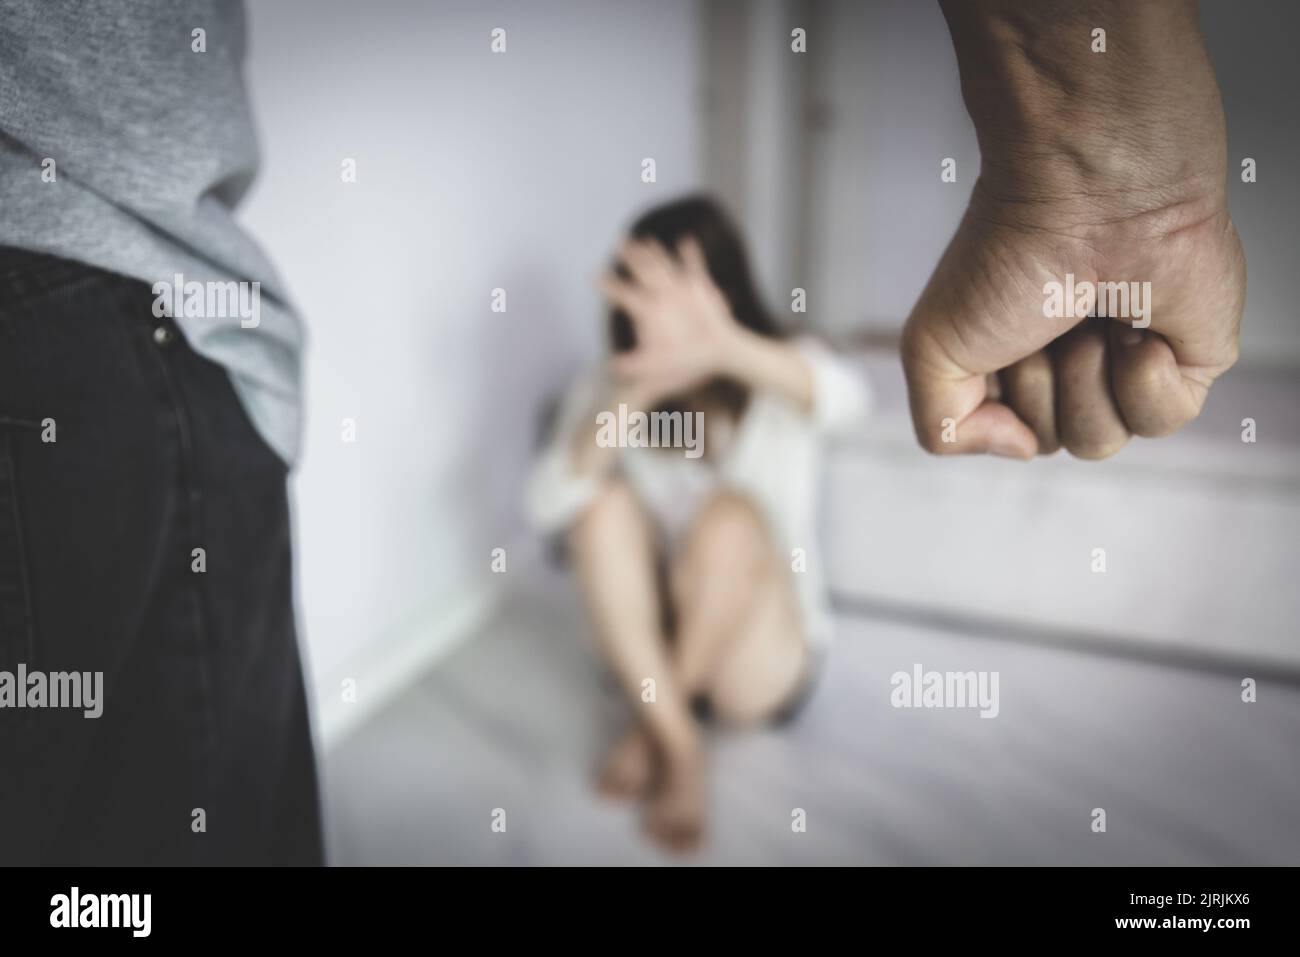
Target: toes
615, 783
677, 832
629, 767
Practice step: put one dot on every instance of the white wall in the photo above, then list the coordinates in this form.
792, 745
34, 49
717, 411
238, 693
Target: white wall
880, 217
475, 170
1259, 76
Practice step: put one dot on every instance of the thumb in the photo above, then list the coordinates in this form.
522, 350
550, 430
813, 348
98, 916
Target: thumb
952, 412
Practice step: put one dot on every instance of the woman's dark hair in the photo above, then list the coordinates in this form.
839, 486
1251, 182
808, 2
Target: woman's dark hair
724, 251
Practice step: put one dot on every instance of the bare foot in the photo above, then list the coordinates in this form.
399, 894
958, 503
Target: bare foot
629, 766
675, 816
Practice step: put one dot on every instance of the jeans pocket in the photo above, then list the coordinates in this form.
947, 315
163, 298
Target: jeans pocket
17, 623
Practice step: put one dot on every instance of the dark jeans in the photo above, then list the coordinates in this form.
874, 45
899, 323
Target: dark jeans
121, 452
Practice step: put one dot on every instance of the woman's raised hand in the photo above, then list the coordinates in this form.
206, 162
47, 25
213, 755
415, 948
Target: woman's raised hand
682, 322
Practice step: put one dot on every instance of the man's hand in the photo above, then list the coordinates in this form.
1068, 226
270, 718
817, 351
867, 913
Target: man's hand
1096, 168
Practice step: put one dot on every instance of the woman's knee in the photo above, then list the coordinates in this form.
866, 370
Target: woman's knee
614, 512
729, 537
731, 526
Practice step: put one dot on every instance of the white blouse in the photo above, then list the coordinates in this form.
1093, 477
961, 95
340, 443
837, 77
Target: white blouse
773, 456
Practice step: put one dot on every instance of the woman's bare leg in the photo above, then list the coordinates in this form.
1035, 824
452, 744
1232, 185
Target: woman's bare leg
757, 673
738, 613
614, 559
739, 640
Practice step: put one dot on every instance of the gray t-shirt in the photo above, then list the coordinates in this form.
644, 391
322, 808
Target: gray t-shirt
124, 147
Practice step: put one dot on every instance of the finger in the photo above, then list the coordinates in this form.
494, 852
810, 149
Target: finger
1088, 420
691, 254
1028, 388
665, 264
648, 324
621, 294
642, 263
1154, 397
951, 410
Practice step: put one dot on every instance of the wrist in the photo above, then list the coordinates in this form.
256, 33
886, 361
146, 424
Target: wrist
1113, 134
736, 353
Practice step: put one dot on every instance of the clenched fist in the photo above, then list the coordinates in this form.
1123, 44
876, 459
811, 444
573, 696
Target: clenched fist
1101, 173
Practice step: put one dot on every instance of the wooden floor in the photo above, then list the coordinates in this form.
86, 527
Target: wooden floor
516, 719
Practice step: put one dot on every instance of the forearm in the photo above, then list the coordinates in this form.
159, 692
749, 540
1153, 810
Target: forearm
1140, 123
771, 364
589, 457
